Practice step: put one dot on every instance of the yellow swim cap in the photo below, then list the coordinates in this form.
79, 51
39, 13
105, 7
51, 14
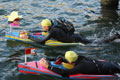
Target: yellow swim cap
71, 56
46, 22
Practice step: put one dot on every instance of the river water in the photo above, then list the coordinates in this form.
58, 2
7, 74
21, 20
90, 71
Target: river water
88, 17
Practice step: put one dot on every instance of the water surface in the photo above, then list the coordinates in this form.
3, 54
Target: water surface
88, 17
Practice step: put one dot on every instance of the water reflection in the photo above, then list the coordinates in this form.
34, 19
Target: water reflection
109, 14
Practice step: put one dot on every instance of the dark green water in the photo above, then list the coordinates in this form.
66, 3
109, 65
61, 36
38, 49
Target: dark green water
87, 16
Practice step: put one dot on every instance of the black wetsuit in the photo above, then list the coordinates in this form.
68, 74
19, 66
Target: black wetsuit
88, 66
59, 32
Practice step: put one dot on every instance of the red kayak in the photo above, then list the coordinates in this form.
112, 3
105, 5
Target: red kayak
36, 68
